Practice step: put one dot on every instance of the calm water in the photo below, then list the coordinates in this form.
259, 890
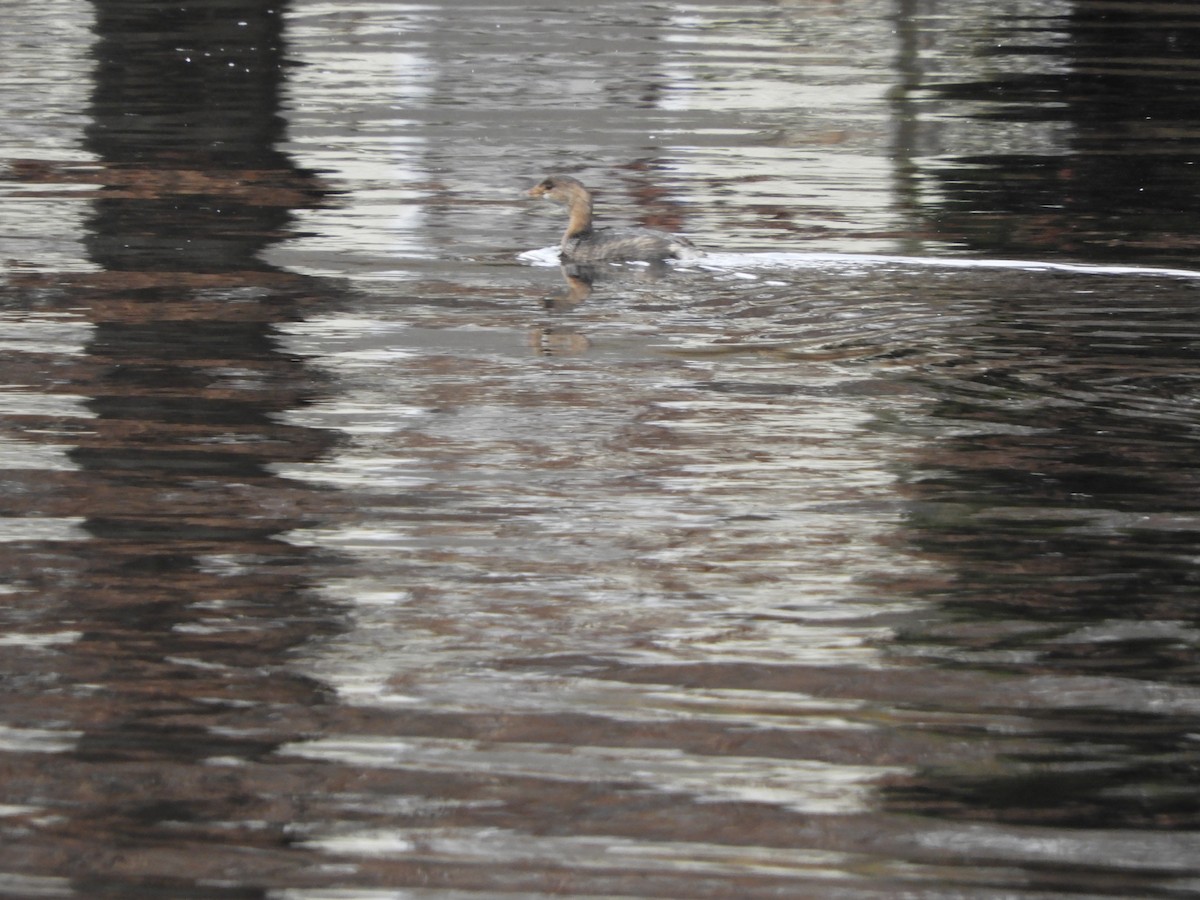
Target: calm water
354, 551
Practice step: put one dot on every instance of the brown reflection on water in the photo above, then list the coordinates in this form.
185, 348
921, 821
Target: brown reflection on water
836, 580
1063, 502
162, 603
1086, 125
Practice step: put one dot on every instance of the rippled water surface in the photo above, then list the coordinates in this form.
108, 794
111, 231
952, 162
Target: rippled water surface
355, 550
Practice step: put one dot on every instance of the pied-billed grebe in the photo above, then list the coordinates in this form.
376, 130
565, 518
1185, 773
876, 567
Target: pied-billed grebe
581, 243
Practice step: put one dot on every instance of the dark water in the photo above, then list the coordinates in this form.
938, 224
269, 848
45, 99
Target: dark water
352, 552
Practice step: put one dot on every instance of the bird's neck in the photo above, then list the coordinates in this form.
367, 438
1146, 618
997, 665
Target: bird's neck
579, 216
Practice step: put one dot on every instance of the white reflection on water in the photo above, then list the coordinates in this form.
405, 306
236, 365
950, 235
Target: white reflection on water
1118, 848
350, 117
800, 785
18, 454
43, 336
43, 528
43, 95
413, 894
584, 853
32, 886
611, 503
37, 740
37, 641
58, 334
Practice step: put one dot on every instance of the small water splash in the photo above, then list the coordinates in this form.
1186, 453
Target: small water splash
545, 256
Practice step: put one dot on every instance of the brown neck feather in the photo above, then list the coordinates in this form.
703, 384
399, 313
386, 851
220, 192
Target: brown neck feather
579, 212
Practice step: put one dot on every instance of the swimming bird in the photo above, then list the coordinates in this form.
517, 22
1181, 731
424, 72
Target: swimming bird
584, 243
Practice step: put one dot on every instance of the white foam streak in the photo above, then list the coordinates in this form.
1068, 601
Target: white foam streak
548, 256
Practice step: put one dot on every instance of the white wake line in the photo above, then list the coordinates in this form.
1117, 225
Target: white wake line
548, 256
